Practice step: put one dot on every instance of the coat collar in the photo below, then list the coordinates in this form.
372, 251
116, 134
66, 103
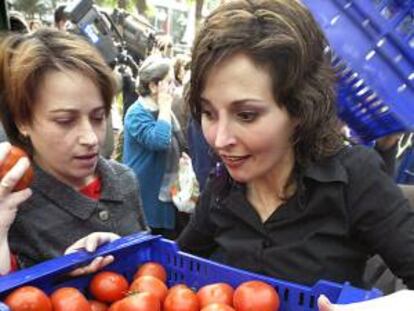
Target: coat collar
327, 170
71, 200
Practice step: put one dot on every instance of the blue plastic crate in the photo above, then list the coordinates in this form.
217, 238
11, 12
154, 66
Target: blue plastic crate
372, 42
131, 251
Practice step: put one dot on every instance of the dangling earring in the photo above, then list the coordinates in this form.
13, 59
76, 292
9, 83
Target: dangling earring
25, 137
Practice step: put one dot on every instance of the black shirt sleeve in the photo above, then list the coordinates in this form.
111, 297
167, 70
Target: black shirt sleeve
380, 216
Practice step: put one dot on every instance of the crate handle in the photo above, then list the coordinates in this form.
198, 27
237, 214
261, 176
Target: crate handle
69, 262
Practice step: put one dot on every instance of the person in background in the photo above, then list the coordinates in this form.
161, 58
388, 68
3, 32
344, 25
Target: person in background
290, 199
35, 24
153, 143
57, 94
60, 18
178, 105
164, 46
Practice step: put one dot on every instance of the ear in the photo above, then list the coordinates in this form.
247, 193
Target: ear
153, 87
23, 129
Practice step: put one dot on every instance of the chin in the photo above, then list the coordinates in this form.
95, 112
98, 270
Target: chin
240, 178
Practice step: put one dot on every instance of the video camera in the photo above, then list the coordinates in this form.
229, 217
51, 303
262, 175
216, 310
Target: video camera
121, 37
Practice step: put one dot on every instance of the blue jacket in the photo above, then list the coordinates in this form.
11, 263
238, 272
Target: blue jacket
146, 143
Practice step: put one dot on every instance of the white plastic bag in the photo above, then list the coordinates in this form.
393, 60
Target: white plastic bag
185, 191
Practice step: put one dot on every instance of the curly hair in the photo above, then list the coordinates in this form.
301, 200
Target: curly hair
283, 37
25, 60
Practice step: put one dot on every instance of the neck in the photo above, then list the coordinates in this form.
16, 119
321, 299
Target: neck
277, 183
73, 182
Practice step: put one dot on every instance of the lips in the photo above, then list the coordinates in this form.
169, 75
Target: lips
234, 161
87, 161
86, 156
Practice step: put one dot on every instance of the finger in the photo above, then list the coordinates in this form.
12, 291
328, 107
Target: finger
79, 244
94, 265
324, 304
92, 242
4, 150
16, 198
77, 272
106, 261
98, 238
13, 176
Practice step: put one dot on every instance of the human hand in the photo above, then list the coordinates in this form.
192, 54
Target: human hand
9, 201
165, 94
402, 301
90, 243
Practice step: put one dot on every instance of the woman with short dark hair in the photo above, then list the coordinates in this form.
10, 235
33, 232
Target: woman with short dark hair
56, 96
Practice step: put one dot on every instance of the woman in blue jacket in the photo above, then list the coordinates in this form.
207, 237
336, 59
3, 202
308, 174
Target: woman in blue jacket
153, 143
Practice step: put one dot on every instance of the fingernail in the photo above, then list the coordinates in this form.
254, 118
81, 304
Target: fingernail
324, 299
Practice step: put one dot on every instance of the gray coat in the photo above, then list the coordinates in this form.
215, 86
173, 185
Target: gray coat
56, 215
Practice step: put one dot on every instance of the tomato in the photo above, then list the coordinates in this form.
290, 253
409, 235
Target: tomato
255, 295
217, 307
14, 155
69, 299
181, 299
150, 284
107, 286
98, 306
153, 269
176, 287
28, 298
215, 293
137, 302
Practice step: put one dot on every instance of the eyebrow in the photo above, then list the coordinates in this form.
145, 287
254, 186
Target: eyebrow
74, 110
238, 102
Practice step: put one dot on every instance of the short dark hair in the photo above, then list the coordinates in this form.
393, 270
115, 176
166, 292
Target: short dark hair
26, 59
153, 69
60, 14
282, 37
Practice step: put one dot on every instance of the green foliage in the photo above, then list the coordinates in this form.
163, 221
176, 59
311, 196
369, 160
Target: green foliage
31, 7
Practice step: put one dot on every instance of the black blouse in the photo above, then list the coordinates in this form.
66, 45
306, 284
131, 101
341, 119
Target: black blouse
346, 209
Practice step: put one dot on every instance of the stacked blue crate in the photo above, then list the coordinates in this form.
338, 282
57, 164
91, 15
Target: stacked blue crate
373, 47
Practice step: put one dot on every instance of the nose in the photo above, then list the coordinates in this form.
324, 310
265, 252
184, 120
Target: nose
224, 135
87, 134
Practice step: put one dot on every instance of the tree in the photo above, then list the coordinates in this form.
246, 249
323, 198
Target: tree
142, 7
30, 7
198, 12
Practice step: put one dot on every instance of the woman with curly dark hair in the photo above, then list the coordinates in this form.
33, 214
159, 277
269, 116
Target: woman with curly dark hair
289, 199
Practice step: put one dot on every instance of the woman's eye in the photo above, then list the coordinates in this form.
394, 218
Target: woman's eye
98, 117
207, 113
247, 116
64, 121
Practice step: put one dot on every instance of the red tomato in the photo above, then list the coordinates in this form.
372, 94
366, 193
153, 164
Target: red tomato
255, 295
14, 155
177, 286
218, 307
153, 269
107, 286
28, 298
69, 299
137, 302
98, 306
150, 284
181, 299
215, 293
